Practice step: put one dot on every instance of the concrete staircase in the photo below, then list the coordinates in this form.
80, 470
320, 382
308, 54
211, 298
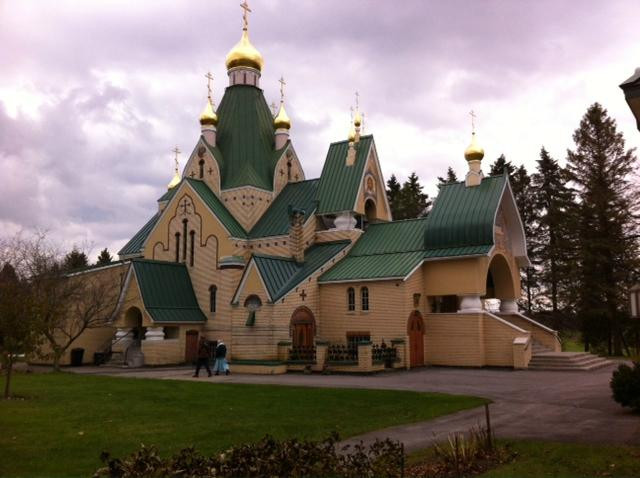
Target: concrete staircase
544, 359
132, 357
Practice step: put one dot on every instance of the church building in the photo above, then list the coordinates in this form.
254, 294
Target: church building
294, 272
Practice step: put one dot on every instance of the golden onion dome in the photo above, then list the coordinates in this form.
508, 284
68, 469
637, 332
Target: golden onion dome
175, 181
244, 54
474, 151
282, 119
208, 116
358, 120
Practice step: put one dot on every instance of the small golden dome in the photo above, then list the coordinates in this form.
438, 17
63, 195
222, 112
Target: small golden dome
474, 151
282, 119
244, 54
175, 181
208, 116
358, 120
352, 135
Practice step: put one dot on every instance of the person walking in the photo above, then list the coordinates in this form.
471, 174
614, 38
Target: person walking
203, 357
221, 364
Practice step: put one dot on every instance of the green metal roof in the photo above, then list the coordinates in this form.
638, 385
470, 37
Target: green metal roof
136, 244
464, 216
167, 292
339, 183
275, 221
281, 275
390, 237
458, 251
168, 195
245, 139
371, 267
221, 212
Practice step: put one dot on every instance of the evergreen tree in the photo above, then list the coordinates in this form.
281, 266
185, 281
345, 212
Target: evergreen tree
451, 177
599, 168
499, 166
414, 203
393, 195
551, 234
521, 185
104, 258
75, 260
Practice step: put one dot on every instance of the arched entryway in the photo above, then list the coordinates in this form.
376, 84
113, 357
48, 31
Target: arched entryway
133, 322
370, 211
415, 330
303, 327
500, 281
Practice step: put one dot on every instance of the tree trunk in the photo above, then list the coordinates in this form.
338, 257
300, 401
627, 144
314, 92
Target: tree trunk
56, 361
7, 383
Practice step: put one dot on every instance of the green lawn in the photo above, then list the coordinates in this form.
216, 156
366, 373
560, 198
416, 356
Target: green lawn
67, 419
570, 460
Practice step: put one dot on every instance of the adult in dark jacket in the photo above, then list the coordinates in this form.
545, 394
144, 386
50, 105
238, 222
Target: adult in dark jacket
203, 357
221, 364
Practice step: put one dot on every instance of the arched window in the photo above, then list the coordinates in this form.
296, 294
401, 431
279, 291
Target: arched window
213, 290
192, 240
364, 297
201, 164
177, 247
289, 170
351, 299
184, 240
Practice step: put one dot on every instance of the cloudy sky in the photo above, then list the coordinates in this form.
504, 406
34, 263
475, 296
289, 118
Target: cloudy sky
95, 94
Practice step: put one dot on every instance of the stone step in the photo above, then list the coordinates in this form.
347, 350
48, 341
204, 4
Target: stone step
567, 361
582, 363
588, 368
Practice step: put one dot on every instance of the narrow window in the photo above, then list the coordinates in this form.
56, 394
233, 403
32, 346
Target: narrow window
192, 239
201, 163
177, 247
244, 78
184, 240
213, 290
351, 299
364, 295
289, 170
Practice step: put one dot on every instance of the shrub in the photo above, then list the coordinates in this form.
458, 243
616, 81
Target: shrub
267, 457
625, 384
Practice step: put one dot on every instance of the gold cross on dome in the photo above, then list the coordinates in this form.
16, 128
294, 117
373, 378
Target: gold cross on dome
245, 17
209, 78
473, 121
282, 83
177, 152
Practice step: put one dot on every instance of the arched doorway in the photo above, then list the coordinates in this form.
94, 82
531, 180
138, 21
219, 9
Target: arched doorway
500, 281
133, 322
415, 330
370, 211
303, 327
191, 346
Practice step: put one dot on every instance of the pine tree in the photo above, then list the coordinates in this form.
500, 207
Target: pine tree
104, 258
499, 166
551, 234
75, 260
393, 195
451, 177
521, 185
414, 203
599, 168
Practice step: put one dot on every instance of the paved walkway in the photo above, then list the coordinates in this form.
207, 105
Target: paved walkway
562, 406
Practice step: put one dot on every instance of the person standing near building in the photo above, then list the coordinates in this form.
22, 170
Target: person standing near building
221, 364
203, 357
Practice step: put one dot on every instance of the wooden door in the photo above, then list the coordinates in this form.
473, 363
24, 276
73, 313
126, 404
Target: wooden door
303, 327
415, 329
191, 346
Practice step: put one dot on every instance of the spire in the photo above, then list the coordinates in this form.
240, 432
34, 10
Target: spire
474, 154
209, 118
244, 55
281, 122
176, 177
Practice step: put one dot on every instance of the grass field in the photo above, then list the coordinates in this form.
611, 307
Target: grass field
538, 459
66, 420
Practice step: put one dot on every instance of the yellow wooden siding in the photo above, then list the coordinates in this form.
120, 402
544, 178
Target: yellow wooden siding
455, 277
454, 339
498, 341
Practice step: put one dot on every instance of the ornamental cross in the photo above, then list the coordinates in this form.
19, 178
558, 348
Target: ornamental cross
303, 295
473, 121
177, 152
209, 78
282, 83
245, 17
185, 207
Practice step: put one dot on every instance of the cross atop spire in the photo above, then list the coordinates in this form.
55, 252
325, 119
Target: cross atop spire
209, 78
473, 121
245, 14
176, 151
282, 83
